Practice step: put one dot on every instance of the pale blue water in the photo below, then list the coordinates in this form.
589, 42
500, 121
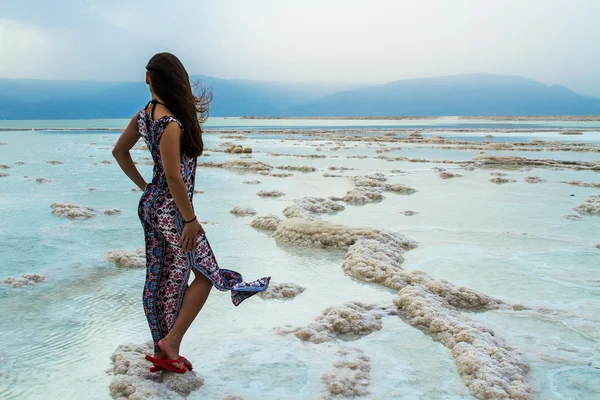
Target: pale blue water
508, 241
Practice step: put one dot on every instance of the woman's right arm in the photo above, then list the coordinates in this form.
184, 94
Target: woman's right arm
126, 141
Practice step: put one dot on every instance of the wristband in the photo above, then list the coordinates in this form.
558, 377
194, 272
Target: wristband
191, 220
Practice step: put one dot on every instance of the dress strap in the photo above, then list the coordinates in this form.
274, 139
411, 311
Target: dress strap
154, 102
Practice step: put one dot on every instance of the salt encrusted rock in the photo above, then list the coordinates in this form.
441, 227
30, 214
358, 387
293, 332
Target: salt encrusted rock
136, 189
127, 258
351, 318
489, 136
308, 206
4, 166
534, 179
251, 182
500, 180
498, 174
270, 193
415, 135
55, 162
590, 207
242, 211
409, 213
3, 174
350, 377
24, 280
327, 234
267, 222
112, 211
572, 216
133, 380
72, 210
377, 176
328, 175
583, 184
281, 174
340, 168
286, 290
301, 168
246, 165
570, 133
360, 195
105, 162
488, 366
449, 175
597, 245
42, 180
247, 150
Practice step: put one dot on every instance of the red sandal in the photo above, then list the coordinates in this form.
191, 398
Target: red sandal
186, 363
166, 364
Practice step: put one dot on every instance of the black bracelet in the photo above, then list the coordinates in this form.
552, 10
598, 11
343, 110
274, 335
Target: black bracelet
191, 220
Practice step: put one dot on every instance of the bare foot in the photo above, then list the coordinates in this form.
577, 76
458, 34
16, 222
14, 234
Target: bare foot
171, 352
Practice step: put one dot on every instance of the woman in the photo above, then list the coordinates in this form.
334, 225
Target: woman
175, 240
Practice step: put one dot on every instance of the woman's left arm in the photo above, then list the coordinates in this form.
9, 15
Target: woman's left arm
126, 141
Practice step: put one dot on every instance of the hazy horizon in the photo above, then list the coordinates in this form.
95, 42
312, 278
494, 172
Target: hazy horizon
332, 41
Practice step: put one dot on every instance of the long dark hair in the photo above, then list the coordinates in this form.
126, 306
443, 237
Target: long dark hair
171, 83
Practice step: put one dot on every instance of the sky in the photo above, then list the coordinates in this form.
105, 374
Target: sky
362, 41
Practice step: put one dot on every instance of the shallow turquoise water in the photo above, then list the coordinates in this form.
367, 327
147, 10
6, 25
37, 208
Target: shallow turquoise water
508, 241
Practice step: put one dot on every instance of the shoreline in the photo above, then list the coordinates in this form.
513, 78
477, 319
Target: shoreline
278, 129
575, 118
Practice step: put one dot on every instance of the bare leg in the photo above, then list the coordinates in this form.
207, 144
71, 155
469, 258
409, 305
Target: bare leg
193, 301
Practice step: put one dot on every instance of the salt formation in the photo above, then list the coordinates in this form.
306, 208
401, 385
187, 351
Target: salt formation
351, 375
377, 176
340, 168
105, 162
328, 175
350, 319
409, 213
498, 174
570, 133
597, 245
251, 182
242, 211
449, 175
301, 168
24, 280
237, 149
136, 189
572, 216
360, 195
308, 206
3, 174
489, 136
583, 184
20, 163
112, 211
534, 179
55, 162
4, 166
327, 234
286, 290
127, 258
591, 206
270, 193
240, 165
518, 162
42, 180
281, 174
268, 222
488, 366
500, 180
133, 379
72, 210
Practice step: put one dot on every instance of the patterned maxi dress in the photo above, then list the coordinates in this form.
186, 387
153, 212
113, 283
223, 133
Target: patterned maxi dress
167, 265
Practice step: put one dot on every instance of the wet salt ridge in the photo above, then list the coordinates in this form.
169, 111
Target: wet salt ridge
408, 262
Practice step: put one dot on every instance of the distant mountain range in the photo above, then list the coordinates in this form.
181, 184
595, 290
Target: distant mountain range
463, 95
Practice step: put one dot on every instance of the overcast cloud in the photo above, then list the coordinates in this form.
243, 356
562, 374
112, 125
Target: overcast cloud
554, 41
